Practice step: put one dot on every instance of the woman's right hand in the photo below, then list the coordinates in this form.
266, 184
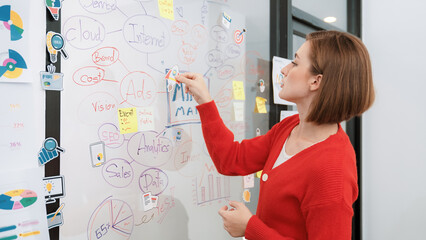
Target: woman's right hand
196, 86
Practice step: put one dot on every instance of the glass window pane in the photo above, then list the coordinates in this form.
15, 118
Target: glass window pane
325, 8
297, 43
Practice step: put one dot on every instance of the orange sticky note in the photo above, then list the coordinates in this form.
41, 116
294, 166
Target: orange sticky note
128, 120
246, 196
166, 9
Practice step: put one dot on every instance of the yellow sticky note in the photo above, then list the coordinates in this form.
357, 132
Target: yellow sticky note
128, 120
166, 9
238, 87
259, 174
260, 105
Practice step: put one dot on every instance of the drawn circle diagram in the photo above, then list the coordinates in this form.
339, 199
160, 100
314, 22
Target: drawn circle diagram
12, 64
187, 54
150, 148
146, 34
138, 89
96, 7
188, 159
96, 108
117, 172
112, 220
238, 37
17, 199
153, 180
12, 21
83, 32
218, 33
110, 135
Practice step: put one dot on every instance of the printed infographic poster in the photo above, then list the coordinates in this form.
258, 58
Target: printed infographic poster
277, 78
22, 29
22, 205
14, 36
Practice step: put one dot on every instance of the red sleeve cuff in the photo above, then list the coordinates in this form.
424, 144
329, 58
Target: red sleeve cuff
208, 112
254, 229
258, 230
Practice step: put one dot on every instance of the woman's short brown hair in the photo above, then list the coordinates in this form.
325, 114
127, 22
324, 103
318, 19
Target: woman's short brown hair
346, 88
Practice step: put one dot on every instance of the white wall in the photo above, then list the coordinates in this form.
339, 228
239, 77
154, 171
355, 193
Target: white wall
394, 130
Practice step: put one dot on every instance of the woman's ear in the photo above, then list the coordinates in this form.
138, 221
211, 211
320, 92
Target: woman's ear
316, 82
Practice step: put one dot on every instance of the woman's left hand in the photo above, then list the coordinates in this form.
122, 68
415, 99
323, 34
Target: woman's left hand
235, 219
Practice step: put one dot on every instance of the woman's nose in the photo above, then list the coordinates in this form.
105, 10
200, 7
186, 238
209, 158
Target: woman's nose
286, 69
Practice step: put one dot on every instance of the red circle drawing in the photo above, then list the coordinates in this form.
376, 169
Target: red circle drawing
138, 89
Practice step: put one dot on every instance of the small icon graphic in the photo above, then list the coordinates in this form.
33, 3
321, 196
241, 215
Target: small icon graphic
55, 219
54, 6
97, 153
55, 43
54, 187
177, 134
51, 80
238, 36
49, 151
12, 21
12, 64
226, 20
262, 85
57, 212
257, 132
171, 77
149, 201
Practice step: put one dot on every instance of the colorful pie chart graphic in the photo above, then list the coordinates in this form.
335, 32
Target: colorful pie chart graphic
12, 21
11, 64
17, 199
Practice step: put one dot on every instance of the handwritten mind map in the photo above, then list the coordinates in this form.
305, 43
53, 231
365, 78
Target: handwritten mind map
140, 144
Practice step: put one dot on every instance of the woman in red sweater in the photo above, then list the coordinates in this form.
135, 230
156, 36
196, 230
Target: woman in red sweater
309, 178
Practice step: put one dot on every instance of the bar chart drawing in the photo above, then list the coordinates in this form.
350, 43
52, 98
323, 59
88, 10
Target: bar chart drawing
211, 188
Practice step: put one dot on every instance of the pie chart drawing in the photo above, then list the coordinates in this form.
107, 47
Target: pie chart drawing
112, 220
17, 199
11, 64
12, 21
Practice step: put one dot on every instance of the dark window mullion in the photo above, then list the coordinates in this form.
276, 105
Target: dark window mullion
354, 126
281, 44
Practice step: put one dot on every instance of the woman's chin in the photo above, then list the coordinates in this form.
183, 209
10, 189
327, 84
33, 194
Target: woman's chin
285, 98
282, 96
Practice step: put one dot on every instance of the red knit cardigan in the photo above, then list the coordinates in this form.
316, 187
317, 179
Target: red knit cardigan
309, 196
